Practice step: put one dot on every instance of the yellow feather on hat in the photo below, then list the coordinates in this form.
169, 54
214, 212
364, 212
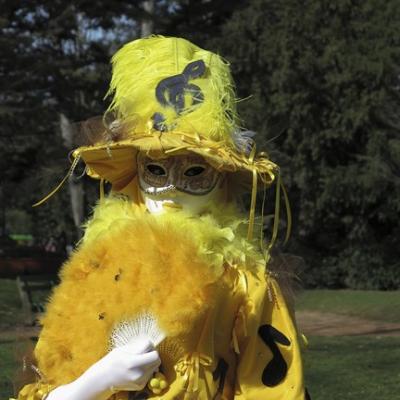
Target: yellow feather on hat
148, 71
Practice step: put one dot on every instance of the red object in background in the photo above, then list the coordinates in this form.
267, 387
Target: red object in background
25, 260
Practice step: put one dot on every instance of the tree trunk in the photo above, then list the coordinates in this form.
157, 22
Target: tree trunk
75, 185
147, 24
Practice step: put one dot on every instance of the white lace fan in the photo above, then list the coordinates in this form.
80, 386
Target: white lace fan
142, 326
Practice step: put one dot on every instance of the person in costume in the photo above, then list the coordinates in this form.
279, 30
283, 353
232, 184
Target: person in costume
168, 295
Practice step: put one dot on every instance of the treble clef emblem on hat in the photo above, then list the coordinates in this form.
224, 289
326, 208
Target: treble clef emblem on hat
170, 92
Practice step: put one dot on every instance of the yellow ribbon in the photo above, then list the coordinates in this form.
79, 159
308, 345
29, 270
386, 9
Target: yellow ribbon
279, 187
189, 367
176, 149
242, 315
235, 342
238, 279
253, 194
262, 244
288, 214
277, 213
35, 391
101, 189
55, 190
241, 321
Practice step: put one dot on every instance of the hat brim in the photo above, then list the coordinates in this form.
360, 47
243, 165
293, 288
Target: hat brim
115, 162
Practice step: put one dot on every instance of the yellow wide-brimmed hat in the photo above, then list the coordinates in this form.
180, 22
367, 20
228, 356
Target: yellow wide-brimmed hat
171, 97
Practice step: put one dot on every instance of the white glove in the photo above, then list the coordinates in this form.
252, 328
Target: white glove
128, 368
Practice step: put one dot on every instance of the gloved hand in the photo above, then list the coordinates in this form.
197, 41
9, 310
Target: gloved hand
127, 367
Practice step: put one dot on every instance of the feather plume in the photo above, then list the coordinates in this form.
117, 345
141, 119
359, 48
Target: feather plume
139, 66
243, 141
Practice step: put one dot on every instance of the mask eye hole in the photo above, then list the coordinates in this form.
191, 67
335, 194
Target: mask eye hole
194, 170
155, 169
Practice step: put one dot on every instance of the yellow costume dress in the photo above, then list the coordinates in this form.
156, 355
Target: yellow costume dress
229, 333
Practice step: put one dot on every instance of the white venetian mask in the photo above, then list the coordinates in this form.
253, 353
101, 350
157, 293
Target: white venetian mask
186, 182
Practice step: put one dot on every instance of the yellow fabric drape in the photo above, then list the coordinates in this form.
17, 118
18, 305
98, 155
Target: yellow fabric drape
189, 367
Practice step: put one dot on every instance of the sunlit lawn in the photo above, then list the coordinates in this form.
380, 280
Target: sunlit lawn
369, 304
353, 368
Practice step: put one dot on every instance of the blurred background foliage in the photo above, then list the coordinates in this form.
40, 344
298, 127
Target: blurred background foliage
320, 83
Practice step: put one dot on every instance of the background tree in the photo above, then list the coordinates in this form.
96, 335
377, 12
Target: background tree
324, 81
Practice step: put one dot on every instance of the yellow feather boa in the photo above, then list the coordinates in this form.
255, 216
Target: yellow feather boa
130, 261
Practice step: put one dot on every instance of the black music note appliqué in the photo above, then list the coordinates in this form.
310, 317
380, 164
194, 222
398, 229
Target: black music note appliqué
276, 369
170, 92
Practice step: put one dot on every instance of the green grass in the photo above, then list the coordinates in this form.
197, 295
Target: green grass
379, 305
8, 367
10, 304
11, 312
353, 368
